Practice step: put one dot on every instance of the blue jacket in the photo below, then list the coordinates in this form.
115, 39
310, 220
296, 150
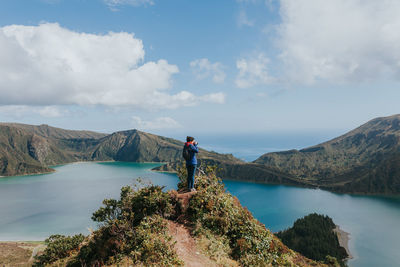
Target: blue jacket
192, 150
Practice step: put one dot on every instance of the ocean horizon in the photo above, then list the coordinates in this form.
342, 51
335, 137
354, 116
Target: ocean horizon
249, 146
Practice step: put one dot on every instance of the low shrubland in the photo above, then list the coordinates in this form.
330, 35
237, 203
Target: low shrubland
133, 230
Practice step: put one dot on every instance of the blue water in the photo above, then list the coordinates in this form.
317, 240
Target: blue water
34, 207
249, 147
373, 222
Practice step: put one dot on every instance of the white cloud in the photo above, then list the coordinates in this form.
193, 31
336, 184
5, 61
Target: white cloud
188, 99
49, 65
253, 71
50, 111
18, 111
340, 40
158, 123
203, 68
218, 98
114, 3
243, 20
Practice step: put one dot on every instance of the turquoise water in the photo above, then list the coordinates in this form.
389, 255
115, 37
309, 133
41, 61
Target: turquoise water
249, 147
34, 207
373, 222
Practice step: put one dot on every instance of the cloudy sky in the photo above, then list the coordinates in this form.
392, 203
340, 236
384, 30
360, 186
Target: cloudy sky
181, 66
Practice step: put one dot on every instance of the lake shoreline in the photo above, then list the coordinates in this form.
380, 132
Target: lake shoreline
343, 238
293, 184
54, 166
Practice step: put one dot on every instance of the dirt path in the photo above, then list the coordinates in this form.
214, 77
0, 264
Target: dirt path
186, 247
35, 251
18, 253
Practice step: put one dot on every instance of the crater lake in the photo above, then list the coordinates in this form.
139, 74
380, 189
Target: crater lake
35, 206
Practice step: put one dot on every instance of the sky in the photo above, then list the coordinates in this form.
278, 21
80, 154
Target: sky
181, 67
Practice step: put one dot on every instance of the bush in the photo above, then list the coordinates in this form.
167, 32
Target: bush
313, 237
133, 227
133, 230
215, 210
58, 247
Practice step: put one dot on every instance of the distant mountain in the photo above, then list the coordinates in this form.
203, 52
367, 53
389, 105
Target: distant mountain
46, 131
137, 146
364, 160
28, 149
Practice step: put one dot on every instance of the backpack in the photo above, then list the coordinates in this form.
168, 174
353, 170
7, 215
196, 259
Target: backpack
186, 152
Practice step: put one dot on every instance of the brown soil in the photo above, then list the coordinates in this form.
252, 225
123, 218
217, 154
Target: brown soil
186, 248
18, 253
183, 197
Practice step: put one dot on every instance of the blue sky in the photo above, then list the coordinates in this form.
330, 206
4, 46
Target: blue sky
216, 67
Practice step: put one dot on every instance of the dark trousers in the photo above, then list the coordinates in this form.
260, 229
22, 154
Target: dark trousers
191, 169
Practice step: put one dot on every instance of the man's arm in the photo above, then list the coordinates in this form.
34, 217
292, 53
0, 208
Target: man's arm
194, 148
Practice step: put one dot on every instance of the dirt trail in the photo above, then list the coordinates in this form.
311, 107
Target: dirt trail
35, 252
186, 247
18, 253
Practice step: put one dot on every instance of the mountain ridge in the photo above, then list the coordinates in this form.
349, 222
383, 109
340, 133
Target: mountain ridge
363, 160
30, 149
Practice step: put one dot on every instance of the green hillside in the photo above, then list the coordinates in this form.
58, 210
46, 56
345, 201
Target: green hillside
28, 149
151, 227
365, 160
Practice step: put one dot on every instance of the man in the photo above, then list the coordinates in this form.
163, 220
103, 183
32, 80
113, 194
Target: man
191, 161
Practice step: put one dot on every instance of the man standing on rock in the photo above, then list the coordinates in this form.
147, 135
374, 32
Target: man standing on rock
189, 154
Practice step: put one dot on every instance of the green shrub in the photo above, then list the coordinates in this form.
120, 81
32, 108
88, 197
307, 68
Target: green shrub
313, 237
133, 227
58, 247
152, 244
214, 209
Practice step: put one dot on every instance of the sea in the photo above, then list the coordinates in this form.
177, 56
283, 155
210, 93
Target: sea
249, 147
33, 207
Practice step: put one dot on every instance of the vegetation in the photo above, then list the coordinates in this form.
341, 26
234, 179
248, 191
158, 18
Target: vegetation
58, 247
364, 160
133, 230
28, 149
17, 253
219, 212
313, 236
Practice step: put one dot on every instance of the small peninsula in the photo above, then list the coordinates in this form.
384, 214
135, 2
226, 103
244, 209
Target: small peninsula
316, 237
151, 227
365, 160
